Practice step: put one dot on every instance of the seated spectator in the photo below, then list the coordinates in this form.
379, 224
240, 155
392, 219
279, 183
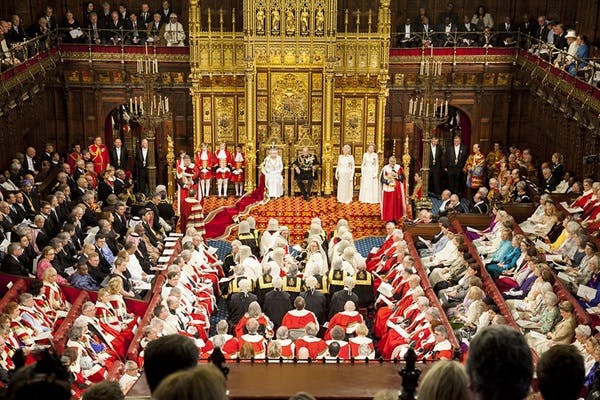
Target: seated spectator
81, 279
107, 390
316, 347
228, 344
265, 326
166, 355
499, 351
445, 380
359, 340
57, 305
11, 263
560, 373
593, 282
297, 319
205, 382
285, 344
349, 320
506, 261
562, 333
254, 339
338, 335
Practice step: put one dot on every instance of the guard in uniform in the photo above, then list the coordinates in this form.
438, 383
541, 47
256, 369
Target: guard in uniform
264, 284
292, 284
305, 167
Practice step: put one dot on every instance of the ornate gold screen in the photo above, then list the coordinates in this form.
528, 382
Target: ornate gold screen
290, 76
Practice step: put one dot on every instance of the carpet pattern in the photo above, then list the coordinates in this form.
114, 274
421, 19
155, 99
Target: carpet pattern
296, 214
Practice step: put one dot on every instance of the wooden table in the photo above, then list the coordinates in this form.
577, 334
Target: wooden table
324, 381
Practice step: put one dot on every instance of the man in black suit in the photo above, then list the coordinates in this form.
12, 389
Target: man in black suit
467, 32
120, 222
141, 167
540, 32
120, 182
549, 182
165, 12
16, 33
447, 33
31, 164
104, 16
119, 156
435, 166
145, 16
50, 18
560, 40
506, 29
123, 13
406, 35
455, 159
152, 204
136, 31
11, 263
426, 30
526, 26
115, 29
449, 13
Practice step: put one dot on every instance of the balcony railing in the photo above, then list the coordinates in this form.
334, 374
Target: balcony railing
21, 53
420, 43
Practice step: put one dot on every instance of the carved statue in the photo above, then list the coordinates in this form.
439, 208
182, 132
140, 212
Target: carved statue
290, 23
275, 21
320, 21
304, 21
260, 21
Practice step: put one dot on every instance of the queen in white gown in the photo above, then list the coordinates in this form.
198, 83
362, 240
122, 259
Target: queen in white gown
272, 167
369, 179
345, 176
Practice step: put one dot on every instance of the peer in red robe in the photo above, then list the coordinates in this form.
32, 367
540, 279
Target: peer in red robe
393, 204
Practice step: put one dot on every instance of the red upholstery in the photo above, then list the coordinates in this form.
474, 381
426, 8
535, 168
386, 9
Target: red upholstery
132, 352
18, 287
433, 300
61, 335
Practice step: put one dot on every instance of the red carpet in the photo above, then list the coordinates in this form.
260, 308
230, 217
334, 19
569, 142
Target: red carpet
218, 220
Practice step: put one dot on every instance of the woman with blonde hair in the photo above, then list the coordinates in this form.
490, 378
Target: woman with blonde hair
445, 380
205, 382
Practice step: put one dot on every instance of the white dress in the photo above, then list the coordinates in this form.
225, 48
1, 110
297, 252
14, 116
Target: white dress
345, 176
272, 168
369, 180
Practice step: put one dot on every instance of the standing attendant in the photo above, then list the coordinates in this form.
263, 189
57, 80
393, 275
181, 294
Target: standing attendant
475, 169
187, 178
272, 167
435, 166
119, 156
99, 154
393, 200
345, 176
141, 166
456, 156
237, 174
369, 183
204, 161
222, 169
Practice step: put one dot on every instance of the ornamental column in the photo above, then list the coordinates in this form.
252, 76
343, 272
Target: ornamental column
328, 97
250, 150
195, 76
